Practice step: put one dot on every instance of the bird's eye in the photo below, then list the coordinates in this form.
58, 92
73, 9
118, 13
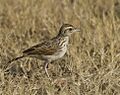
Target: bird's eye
70, 29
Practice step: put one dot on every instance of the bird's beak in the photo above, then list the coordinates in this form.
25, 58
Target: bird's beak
77, 30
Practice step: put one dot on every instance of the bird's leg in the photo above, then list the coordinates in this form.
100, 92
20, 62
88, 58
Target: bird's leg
46, 71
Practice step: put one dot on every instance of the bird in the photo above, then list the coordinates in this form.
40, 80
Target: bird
52, 49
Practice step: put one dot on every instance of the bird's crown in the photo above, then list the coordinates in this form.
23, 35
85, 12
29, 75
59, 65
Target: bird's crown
67, 30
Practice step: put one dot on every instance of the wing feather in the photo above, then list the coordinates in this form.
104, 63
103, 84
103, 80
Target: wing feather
45, 48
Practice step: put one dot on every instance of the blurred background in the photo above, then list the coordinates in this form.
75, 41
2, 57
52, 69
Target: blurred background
92, 63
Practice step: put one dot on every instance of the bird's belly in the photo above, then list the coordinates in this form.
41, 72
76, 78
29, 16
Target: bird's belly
56, 55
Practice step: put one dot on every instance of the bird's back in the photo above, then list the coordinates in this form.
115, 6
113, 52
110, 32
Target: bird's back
48, 50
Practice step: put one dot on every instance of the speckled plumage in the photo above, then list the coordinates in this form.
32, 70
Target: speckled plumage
51, 49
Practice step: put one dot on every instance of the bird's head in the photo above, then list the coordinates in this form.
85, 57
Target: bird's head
67, 30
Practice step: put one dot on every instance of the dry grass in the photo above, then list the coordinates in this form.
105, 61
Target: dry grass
92, 63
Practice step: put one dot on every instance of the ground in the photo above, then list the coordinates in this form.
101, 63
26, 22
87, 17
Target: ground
91, 65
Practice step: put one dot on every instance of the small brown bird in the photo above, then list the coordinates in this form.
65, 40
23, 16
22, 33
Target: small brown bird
52, 49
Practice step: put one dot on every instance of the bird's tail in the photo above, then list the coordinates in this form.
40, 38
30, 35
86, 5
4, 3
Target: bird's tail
9, 63
15, 59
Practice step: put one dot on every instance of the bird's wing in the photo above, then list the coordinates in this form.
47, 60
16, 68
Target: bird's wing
45, 48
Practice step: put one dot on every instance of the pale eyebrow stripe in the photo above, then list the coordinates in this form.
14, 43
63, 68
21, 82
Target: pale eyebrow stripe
68, 28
